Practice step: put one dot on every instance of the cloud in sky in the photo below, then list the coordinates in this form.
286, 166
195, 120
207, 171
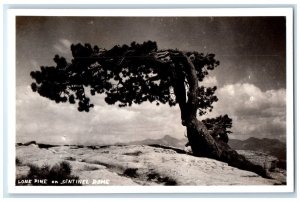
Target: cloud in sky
62, 46
34, 63
104, 124
255, 113
209, 81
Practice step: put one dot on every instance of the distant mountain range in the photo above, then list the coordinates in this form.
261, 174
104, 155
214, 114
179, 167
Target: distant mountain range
167, 140
268, 146
272, 147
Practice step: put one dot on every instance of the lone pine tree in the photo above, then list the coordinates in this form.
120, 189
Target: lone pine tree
138, 73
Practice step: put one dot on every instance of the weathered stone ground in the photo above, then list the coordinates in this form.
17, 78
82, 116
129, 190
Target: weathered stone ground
138, 165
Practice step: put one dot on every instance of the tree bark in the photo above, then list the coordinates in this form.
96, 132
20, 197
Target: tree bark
201, 141
204, 145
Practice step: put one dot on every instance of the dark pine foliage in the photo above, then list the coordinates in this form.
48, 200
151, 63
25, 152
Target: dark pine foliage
219, 127
126, 74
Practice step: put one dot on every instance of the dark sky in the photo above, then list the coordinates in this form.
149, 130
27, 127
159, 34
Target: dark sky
245, 46
251, 51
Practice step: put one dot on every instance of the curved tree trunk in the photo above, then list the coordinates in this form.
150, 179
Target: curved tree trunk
201, 141
204, 145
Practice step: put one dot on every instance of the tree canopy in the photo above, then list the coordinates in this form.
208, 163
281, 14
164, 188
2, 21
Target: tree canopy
126, 74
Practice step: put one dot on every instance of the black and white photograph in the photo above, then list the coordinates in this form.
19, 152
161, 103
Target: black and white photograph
151, 101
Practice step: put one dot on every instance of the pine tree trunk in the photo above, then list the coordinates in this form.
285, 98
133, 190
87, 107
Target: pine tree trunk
201, 141
204, 145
